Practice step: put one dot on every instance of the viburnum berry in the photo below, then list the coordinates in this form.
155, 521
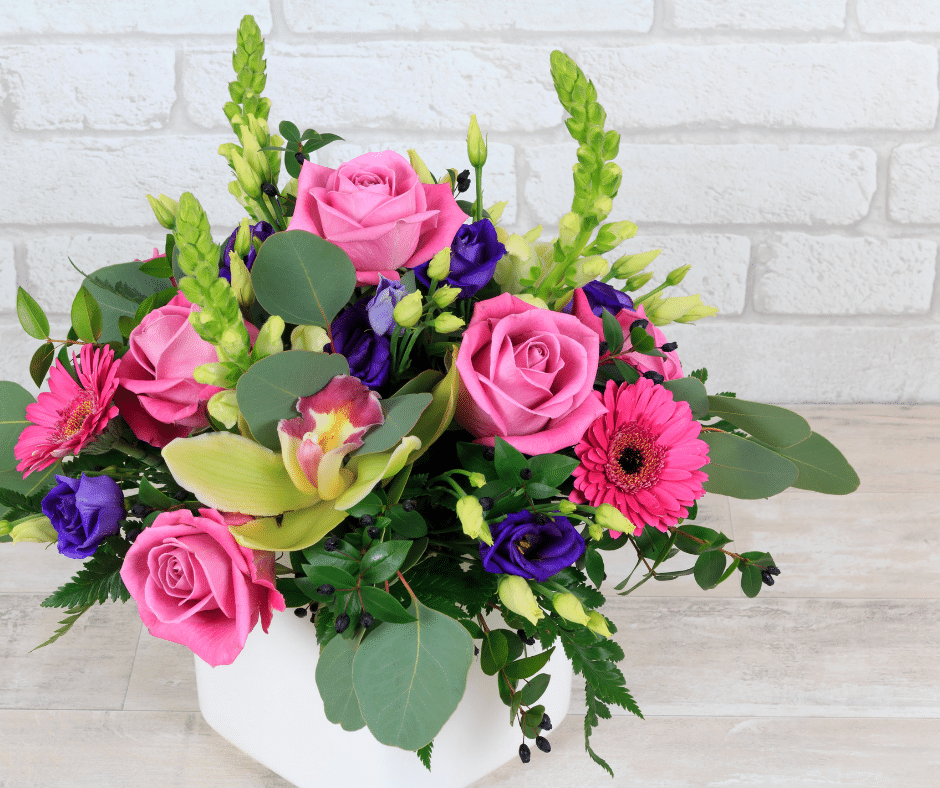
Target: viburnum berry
342, 623
525, 754
326, 590
331, 545
366, 520
373, 532
546, 723
409, 505
366, 620
542, 743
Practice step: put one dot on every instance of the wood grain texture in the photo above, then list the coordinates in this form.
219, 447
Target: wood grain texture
830, 679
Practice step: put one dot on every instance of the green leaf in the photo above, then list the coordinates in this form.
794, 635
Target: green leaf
439, 414
382, 561
551, 469
770, 424
335, 682
509, 461
86, 316
302, 278
750, 580
534, 690
317, 576
32, 318
689, 390
288, 131
408, 524
744, 469
150, 303
13, 401
384, 606
424, 754
712, 539
401, 414
628, 373
594, 566
409, 678
97, 581
821, 466
40, 362
293, 596
72, 615
119, 290
160, 267
154, 498
709, 568
269, 390
528, 666
418, 547
495, 652
613, 332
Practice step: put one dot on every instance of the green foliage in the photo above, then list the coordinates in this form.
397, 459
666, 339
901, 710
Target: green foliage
613, 333
384, 606
424, 754
302, 278
119, 290
709, 567
96, 582
770, 424
31, 316
72, 615
689, 390
409, 678
743, 469
401, 414
269, 390
40, 362
86, 316
334, 676
383, 560
821, 467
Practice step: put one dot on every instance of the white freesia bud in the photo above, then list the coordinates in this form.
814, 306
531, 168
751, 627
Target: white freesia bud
223, 407
312, 338
514, 593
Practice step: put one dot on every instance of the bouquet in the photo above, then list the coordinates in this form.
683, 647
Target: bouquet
375, 405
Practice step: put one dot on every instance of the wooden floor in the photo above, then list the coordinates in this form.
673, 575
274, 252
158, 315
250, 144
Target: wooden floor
830, 678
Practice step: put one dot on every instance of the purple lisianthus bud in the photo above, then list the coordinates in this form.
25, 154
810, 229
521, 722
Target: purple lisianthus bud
261, 231
366, 351
84, 512
532, 546
474, 253
381, 306
601, 296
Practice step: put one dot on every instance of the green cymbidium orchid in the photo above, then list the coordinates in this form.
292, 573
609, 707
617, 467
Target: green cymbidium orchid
234, 474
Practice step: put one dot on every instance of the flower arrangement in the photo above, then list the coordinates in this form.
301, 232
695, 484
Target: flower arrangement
375, 405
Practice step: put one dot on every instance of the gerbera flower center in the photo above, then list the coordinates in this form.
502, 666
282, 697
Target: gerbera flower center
634, 458
78, 410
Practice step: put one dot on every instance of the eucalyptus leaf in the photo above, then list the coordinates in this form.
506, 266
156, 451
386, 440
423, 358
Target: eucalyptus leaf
689, 390
409, 678
269, 390
13, 401
822, 467
119, 290
770, 424
335, 682
302, 278
401, 414
743, 469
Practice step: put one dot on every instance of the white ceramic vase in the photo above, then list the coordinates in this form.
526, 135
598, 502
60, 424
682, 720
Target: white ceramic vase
267, 704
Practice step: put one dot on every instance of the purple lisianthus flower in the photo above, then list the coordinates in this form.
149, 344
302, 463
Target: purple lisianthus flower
84, 512
366, 351
601, 296
533, 546
474, 253
381, 306
260, 231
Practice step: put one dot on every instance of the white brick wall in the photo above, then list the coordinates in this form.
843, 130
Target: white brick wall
789, 150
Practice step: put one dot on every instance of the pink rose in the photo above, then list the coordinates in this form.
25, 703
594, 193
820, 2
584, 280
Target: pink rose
526, 375
668, 366
195, 585
377, 211
157, 396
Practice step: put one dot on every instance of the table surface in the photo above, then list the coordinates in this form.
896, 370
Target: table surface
830, 678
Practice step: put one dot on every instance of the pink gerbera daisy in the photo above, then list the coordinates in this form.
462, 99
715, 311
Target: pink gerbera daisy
642, 457
70, 415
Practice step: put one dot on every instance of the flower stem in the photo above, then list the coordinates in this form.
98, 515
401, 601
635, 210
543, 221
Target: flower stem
138, 454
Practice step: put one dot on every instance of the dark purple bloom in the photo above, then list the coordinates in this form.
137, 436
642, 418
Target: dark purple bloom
474, 253
381, 306
84, 512
260, 231
602, 296
532, 546
367, 352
